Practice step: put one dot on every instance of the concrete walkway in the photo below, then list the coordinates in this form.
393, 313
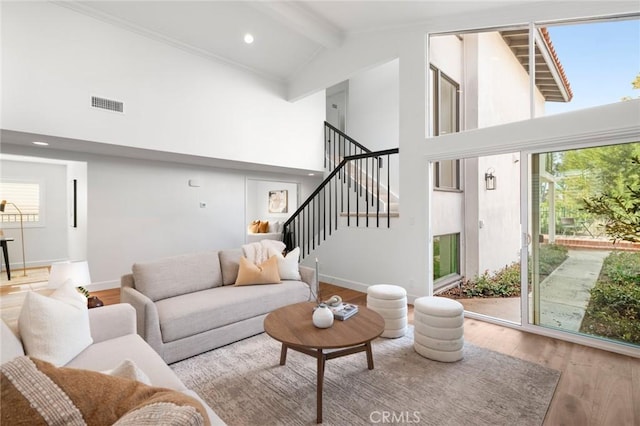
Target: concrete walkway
564, 295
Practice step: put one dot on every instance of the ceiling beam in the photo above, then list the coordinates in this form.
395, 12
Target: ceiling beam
303, 21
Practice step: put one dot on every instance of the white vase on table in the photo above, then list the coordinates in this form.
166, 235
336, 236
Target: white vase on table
322, 316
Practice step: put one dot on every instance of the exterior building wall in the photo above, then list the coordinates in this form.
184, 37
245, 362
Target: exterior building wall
503, 97
446, 55
495, 90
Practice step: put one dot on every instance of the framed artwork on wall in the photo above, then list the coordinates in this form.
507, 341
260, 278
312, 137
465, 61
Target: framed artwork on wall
278, 201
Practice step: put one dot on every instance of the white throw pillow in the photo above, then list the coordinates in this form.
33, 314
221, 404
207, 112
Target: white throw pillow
275, 226
56, 328
287, 266
127, 369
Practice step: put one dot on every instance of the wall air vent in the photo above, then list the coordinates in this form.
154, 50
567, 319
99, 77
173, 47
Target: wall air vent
107, 104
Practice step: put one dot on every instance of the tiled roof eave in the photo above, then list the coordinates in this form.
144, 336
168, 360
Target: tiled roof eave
551, 79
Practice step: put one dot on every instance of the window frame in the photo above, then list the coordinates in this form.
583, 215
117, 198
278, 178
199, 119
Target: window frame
437, 75
27, 223
452, 276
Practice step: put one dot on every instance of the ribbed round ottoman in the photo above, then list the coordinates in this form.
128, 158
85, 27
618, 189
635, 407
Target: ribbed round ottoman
438, 328
390, 301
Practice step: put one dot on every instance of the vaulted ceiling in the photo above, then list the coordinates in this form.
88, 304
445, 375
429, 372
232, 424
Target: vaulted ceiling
287, 34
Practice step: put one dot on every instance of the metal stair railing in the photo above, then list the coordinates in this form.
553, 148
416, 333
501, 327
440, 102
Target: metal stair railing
308, 225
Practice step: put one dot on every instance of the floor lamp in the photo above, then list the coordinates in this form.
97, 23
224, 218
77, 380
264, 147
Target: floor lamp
3, 204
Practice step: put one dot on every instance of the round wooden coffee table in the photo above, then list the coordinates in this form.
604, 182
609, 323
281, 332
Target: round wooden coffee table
292, 326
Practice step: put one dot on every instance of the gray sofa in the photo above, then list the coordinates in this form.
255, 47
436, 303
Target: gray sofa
113, 330
187, 304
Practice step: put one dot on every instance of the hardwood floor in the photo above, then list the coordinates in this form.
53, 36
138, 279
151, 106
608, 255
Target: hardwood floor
596, 388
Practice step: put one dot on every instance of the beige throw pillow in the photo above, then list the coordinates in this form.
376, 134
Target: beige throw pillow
265, 273
56, 328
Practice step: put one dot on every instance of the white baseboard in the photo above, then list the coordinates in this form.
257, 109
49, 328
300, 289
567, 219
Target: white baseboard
353, 285
357, 286
103, 285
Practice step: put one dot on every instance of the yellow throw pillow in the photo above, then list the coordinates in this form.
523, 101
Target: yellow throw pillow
264, 227
254, 228
250, 274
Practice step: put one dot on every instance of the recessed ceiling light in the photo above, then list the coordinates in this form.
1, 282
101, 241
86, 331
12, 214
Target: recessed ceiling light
248, 38
312, 174
40, 143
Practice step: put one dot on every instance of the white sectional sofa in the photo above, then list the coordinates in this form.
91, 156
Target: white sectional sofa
113, 330
187, 305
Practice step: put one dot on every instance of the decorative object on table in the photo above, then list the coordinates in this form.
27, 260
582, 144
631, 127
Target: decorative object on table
3, 204
78, 274
322, 316
344, 311
278, 201
334, 301
94, 302
317, 289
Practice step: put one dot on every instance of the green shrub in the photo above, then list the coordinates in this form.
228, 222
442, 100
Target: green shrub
622, 267
551, 256
624, 299
504, 283
614, 307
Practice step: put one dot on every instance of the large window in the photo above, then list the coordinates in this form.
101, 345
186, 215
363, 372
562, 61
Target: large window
446, 256
24, 195
592, 197
445, 119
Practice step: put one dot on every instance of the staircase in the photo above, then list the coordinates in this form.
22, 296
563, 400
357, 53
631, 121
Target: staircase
357, 187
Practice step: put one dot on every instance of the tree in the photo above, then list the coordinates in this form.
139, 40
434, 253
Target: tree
620, 208
584, 173
635, 84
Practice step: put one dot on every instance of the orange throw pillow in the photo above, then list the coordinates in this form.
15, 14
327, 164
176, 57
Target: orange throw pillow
250, 274
264, 227
254, 228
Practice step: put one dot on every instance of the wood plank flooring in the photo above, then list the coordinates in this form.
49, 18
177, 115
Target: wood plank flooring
596, 388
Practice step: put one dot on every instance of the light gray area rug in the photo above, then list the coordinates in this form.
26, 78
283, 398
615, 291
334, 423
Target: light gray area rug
245, 385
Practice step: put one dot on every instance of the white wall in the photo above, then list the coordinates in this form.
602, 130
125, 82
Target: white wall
372, 109
77, 236
503, 84
373, 113
45, 243
54, 59
143, 210
445, 53
503, 97
258, 199
499, 211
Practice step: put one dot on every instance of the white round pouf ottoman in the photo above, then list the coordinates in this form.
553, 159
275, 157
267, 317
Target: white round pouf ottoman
438, 328
390, 301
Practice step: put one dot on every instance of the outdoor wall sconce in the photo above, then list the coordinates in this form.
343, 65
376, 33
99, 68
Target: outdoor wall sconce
490, 179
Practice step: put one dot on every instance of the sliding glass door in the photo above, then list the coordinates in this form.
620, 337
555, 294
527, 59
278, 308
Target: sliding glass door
584, 232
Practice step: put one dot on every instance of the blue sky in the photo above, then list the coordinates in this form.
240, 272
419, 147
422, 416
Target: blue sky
600, 61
